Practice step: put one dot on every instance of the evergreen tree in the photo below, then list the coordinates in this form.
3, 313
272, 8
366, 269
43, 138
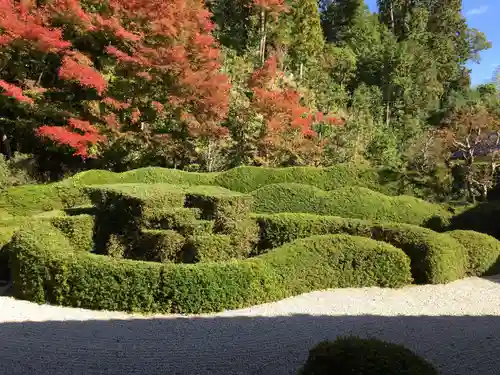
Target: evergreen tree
306, 35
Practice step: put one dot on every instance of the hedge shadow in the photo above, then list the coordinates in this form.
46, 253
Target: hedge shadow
457, 345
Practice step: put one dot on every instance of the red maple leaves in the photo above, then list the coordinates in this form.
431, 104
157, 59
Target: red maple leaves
168, 44
290, 125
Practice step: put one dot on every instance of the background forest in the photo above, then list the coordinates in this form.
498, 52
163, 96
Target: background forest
207, 86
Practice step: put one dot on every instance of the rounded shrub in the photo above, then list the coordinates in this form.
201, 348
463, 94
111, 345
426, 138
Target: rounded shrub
352, 202
47, 269
435, 258
353, 355
483, 252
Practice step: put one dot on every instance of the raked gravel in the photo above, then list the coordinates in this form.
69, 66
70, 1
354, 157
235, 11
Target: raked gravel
455, 326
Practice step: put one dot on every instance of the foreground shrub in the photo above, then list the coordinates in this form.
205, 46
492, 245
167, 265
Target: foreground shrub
352, 202
353, 355
46, 269
435, 258
483, 252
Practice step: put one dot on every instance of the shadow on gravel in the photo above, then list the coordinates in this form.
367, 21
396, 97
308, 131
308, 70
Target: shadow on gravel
236, 345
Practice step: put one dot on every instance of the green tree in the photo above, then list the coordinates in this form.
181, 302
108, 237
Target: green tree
306, 35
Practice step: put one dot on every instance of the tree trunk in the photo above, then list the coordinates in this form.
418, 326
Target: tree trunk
263, 37
5, 146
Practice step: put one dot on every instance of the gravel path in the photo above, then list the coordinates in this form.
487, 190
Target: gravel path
455, 326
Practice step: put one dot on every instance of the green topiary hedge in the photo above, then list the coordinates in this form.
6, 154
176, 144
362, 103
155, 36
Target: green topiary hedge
353, 355
481, 218
78, 229
159, 246
210, 248
436, 258
483, 252
31, 199
353, 202
46, 269
247, 179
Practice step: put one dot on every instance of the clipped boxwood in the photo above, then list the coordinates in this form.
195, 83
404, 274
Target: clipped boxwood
209, 248
353, 355
482, 218
352, 202
26, 200
79, 230
31, 199
159, 246
483, 252
435, 258
46, 269
247, 179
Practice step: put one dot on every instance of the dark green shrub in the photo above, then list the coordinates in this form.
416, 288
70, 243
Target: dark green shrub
353, 355
160, 246
209, 248
124, 209
116, 247
352, 202
176, 218
230, 214
481, 218
435, 258
79, 230
46, 269
5, 237
483, 252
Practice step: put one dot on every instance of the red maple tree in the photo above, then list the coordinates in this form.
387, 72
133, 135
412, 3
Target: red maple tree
290, 131
161, 56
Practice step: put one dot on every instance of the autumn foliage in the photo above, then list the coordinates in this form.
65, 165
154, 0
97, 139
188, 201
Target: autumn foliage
127, 57
291, 128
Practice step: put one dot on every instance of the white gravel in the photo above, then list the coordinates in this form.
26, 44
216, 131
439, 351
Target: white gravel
455, 326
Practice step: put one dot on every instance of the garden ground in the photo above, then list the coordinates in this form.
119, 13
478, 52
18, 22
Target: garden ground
456, 326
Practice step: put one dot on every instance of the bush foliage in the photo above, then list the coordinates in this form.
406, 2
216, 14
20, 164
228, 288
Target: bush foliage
42, 253
436, 258
483, 252
353, 355
26, 200
353, 202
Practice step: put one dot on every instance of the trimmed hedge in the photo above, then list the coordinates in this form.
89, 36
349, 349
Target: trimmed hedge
353, 202
31, 199
5, 237
483, 252
78, 229
26, 200
481, 218
46, 270
148, 175
125, 209
160, 246
209, 248
435, 258
247, 179
353, 355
